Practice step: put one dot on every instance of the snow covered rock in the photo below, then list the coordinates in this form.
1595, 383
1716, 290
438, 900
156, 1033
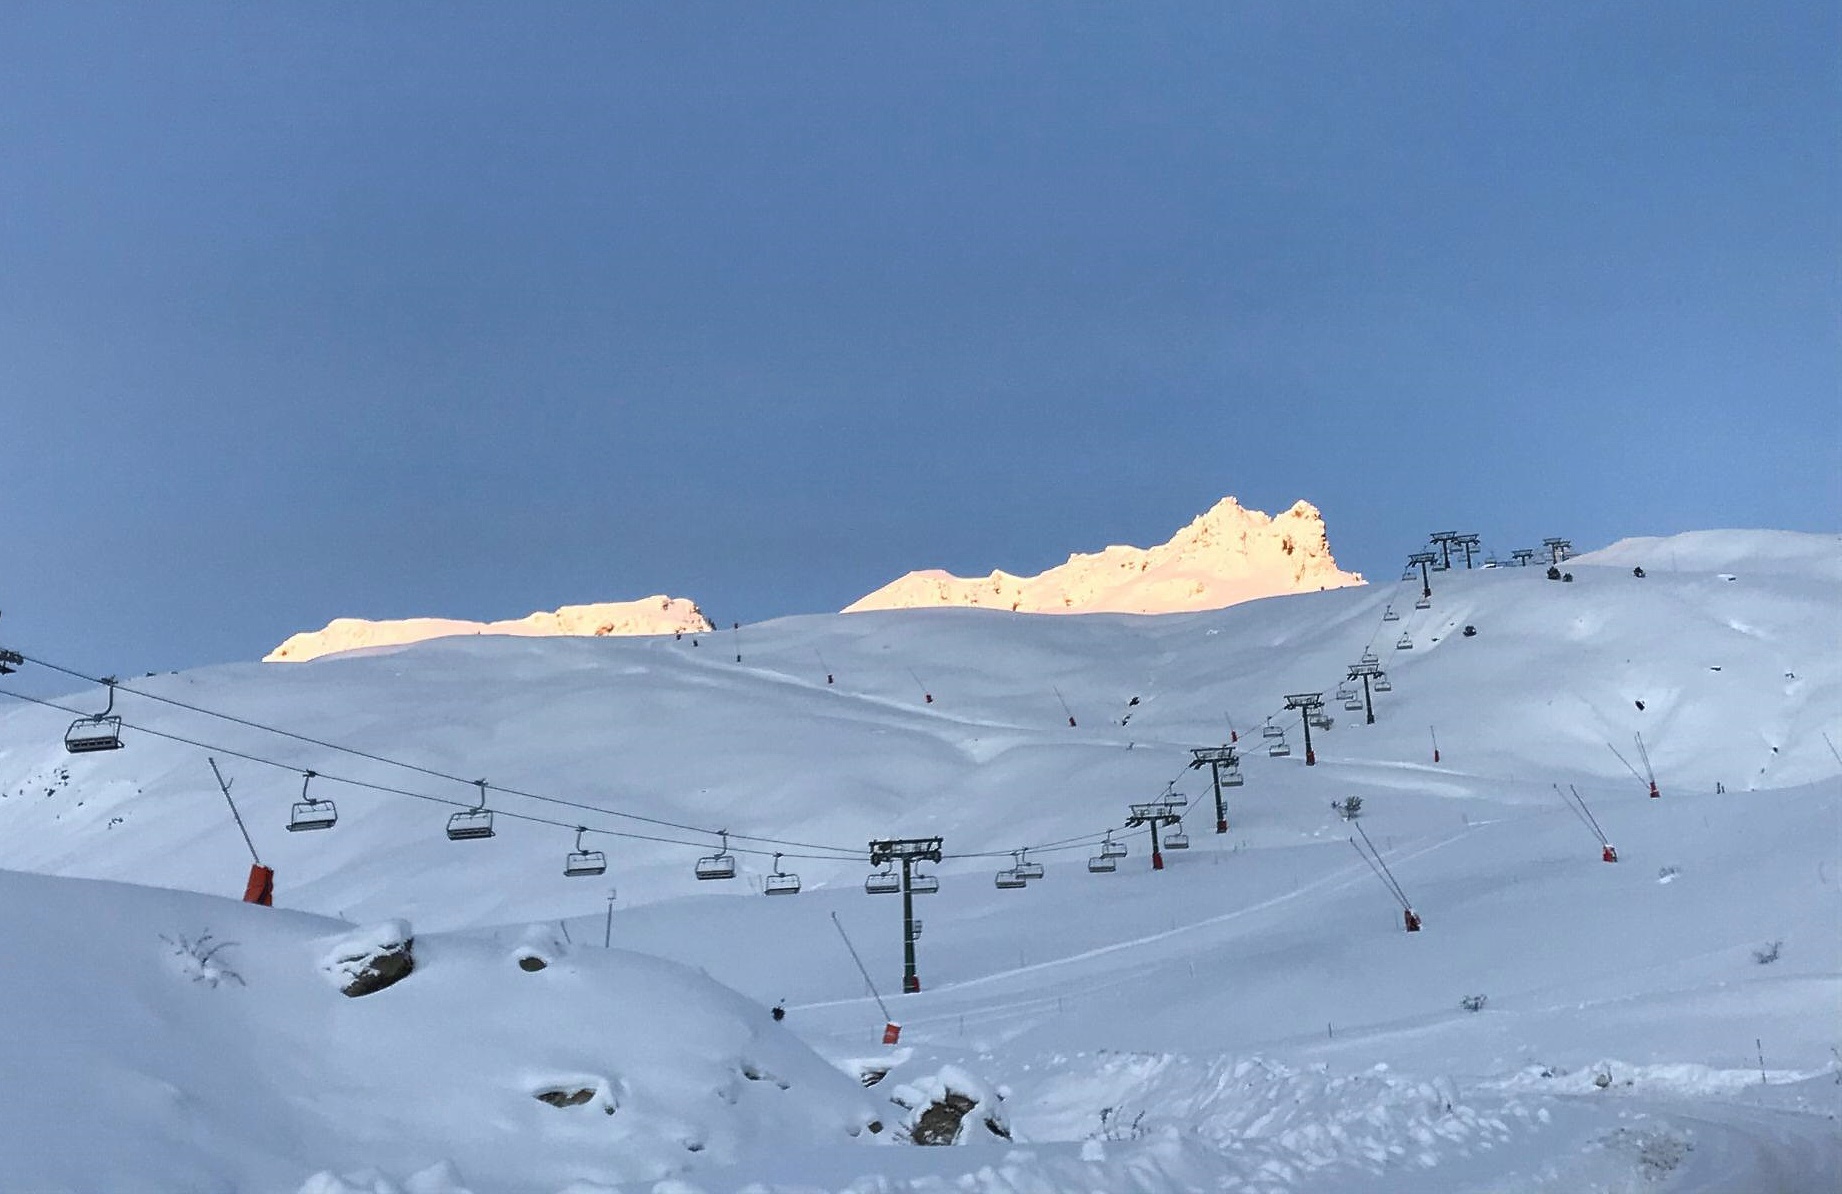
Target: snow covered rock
372, 958
657, 614
939, 1104
1225, 556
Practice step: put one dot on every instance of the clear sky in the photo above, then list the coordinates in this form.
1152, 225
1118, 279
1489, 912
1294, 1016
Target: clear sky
391, 309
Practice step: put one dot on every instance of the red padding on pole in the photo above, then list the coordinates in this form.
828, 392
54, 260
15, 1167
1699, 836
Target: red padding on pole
910, 984
891, 1033
1221, 826
261, 886
1157, 860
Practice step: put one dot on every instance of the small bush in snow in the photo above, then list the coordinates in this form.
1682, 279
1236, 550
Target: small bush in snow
201, 959
1349, 808
1766, 954
1115, 1126
1474, 1003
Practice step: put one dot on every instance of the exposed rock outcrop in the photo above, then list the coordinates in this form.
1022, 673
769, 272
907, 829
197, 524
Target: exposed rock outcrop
658, 614
1225, 556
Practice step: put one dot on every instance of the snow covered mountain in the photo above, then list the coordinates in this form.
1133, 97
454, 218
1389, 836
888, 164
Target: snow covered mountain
1225, 556
657, 614
1252, 1016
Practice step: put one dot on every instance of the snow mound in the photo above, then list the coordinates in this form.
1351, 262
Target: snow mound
1767, 553
1225, 556
657, 614
125, 1075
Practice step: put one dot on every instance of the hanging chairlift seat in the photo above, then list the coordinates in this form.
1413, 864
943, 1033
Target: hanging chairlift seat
882, 883
469, 824
1009, 879
1278, 750
1353, 703
1383, 684
1320, 721
923, 884
1270, 730
312, 814
1029, 870
781, 883
1423, 603
1112, 849
1102, 864
716, 866
1232, 778
1404, 643
1176, 839
87, 735
582, 863
1388, 615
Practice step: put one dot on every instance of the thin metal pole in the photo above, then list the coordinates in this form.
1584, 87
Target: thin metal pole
867, 980
607, 934
241, 828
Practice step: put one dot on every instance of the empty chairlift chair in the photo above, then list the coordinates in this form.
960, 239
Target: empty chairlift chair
1008, 880
1404, 643
309, 813
472, 823
584, 863
1112, 849
88, 735
1382, 683
1176, 839
919, 884
882, 883
1102, 864
720, 865
1026, 869
1277, 748
1353, 702
1231, 777
780, 882
1423, 603
1388, 615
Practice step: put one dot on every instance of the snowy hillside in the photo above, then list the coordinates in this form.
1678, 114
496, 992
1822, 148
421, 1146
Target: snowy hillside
1225, 556
658, 614
1250, 1017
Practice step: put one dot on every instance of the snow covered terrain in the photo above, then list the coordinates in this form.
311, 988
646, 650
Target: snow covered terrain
657, 614
1225, 556
1252, 1017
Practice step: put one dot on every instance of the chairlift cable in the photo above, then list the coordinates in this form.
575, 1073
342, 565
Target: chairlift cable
842, 851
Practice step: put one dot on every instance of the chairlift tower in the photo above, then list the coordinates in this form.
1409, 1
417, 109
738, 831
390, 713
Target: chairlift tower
1154, 814
1558, 549
1307, 703
907, 851
1469, 544
1522, 556
1444, 541
1366, 670
1218, 759
1424, 559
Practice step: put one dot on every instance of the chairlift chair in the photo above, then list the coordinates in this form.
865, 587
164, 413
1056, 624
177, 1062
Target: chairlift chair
582, 863
472, 823
1025, 868
1352, 703
309, 813
1404, 643
1382, 683
1388, 615
1278, 749
922, 884
1112, 849
1102, 864
720, 865
1320, 721
1176, 839
1423, 603
1269, 730
1369, 656
88, 735
1009, 879
1231, 777
882, 883
780, 882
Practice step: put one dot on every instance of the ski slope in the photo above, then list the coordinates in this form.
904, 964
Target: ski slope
1250, 1017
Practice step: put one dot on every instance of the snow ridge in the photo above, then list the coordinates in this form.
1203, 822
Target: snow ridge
1225, 556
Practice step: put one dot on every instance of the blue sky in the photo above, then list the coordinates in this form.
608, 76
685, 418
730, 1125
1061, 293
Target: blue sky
387, 310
